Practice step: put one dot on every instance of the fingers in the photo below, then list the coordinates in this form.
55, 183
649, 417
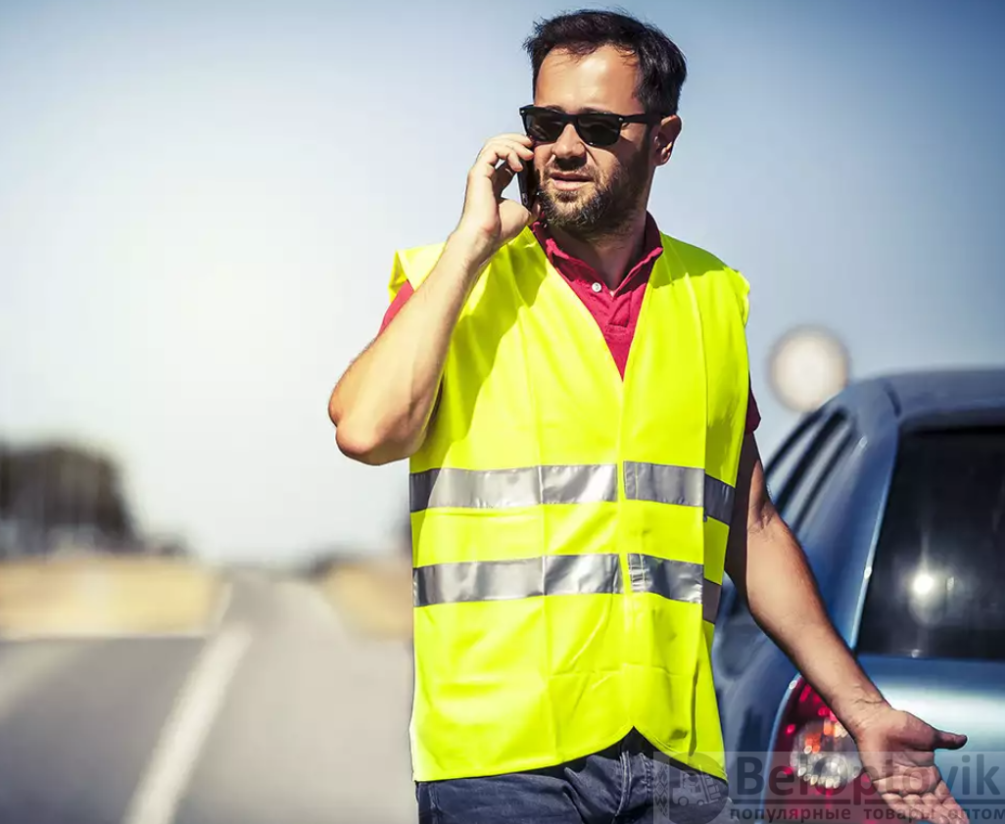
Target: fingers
949, 740
947, 806
501, 179
937, 806
499, 160
513, 138
953, 812
513, 157
927, 808
504, 151
930, 806
900, 806
513, 217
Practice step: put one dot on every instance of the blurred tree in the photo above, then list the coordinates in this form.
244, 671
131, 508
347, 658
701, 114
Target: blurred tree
60, 486
171, 546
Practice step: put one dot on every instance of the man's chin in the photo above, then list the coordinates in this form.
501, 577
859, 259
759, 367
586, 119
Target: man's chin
576, 195
565, 209
567, 204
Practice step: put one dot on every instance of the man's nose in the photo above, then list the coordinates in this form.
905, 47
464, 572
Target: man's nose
569, 143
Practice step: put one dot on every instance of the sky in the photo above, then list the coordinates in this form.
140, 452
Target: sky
200, 203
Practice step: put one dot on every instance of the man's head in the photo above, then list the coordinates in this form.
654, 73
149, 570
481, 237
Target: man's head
595, 61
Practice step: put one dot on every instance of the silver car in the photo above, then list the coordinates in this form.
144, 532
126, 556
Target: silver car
896, 490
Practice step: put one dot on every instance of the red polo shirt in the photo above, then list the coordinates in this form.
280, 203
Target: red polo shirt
616, 312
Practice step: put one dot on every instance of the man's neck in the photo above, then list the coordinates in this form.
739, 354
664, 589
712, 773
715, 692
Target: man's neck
611, 255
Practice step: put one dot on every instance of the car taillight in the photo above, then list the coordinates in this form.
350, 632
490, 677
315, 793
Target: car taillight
816, 773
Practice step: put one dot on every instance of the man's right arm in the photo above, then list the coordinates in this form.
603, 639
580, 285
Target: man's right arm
384, 401
382, 405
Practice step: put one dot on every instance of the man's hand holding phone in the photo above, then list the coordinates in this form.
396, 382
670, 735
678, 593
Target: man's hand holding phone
489, 220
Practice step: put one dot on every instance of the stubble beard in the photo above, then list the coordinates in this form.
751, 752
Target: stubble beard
608, 212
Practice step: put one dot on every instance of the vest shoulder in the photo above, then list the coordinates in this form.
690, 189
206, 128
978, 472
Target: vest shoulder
706, 268
697, 260
413, 265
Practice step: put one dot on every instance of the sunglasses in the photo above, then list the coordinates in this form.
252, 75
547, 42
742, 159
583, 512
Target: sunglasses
595, 128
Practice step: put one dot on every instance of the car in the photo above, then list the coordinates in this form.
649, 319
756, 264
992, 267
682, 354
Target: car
896, 490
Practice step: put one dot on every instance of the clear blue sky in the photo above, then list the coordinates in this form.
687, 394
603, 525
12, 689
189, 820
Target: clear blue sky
201, 200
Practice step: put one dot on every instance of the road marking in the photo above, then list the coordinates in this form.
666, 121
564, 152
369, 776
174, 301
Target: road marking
222, 607
156, 798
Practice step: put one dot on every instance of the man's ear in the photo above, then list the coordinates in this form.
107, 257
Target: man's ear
666, 136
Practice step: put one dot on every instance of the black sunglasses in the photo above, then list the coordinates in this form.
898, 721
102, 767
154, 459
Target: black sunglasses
595, 128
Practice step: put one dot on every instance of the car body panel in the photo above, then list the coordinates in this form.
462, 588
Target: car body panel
754, 678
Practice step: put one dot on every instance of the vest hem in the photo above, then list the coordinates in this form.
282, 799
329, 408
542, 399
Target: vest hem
526, 765
685, 758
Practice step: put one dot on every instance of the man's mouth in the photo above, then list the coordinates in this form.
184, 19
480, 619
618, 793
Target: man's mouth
567, 181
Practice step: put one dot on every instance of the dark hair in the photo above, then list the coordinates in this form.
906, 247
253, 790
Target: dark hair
662, 67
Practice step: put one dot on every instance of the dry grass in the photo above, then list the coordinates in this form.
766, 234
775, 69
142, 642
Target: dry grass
375, 596
105, 596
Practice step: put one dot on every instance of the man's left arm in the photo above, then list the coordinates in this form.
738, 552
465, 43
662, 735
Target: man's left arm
770, 571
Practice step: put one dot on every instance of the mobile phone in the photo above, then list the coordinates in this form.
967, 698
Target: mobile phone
527, 181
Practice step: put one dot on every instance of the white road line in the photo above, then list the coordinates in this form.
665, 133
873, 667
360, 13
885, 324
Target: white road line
222, 607
163, 785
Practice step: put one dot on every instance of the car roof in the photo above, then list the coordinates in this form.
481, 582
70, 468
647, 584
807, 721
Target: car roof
932, 393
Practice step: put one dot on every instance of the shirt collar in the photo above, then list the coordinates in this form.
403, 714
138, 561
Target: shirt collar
573, 268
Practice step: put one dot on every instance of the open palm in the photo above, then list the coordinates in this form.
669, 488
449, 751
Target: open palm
898, 752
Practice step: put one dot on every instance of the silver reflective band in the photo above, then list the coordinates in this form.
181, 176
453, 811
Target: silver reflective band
681, 485
676, 581
507, 488
718, 500
467, 581
523, 578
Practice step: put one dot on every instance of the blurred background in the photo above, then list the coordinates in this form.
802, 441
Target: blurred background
204, 607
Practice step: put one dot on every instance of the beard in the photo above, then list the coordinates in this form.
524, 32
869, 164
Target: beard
608, 211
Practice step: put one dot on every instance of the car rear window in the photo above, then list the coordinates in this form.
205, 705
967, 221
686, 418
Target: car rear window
937, 588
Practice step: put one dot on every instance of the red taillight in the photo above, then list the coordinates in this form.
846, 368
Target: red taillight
815, 773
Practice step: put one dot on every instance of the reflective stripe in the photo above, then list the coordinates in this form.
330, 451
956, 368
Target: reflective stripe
574, 484
523, 578
506, 488
718, 500
676, 581
680, 485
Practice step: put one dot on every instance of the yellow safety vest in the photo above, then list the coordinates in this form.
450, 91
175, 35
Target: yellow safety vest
569, 528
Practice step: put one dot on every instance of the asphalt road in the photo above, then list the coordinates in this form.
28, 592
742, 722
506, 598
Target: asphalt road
280, 714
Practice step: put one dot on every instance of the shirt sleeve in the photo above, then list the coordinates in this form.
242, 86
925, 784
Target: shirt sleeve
753, 414
404, 293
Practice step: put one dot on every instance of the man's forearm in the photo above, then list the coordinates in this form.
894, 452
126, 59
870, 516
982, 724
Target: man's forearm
383, 403
786, 604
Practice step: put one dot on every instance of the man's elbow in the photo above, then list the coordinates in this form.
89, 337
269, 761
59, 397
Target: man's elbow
372, 438
358, 443
362, 442
334, 408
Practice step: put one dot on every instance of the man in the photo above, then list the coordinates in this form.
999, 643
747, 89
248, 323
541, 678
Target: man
581, 479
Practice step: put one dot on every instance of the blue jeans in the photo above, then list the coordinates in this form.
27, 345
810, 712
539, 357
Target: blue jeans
629, 781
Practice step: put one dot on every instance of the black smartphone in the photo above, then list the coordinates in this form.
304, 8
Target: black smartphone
527, 181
